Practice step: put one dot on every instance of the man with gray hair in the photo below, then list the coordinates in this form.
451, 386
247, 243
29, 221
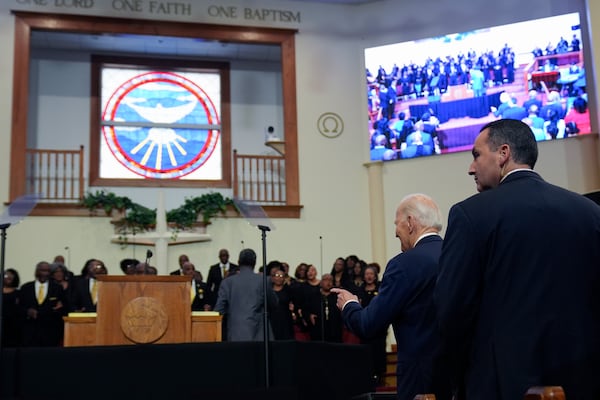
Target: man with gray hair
405, 300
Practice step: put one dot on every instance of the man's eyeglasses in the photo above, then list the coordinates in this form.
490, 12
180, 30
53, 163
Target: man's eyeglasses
279, 275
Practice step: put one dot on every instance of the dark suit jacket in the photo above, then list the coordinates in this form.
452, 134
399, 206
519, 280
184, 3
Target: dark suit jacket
405, 300
46, 329
531, 102
515, 112
81, 299
215, 276
202, 296
518, 294
545, 111
241, 299
414, 150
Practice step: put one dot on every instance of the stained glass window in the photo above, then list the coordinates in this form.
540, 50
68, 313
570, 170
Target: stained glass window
160, 124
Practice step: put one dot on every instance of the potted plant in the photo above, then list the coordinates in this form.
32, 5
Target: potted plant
209, 205
139, 218
135, 218
105, 200
200, 209
130, 217
182, 217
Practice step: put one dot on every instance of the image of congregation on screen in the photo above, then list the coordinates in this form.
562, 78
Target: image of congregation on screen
432, 96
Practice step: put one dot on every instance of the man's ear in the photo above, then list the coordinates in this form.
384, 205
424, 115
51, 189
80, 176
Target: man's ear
504, 153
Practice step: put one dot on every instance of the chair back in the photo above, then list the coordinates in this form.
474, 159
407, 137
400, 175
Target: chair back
545, 393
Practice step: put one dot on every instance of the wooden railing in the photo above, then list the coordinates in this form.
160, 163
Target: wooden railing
260, 179
55, 175
562, 59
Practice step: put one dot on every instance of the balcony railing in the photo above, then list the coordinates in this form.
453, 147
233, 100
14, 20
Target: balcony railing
260, 179
55, 175
563, 60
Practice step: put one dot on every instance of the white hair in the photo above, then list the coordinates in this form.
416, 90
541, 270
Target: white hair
423, 209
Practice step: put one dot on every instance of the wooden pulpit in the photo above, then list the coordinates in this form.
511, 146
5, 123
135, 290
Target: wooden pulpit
142, 309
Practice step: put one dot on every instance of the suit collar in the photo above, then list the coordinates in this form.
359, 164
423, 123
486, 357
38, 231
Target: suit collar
520, 174
430, 238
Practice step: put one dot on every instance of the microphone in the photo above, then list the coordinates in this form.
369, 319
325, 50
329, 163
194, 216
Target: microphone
242, 245
68, 256
148, 257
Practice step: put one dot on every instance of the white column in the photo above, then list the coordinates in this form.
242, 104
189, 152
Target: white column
162, 236
377, 212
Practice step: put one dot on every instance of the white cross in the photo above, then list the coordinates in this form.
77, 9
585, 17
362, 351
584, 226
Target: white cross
161, 238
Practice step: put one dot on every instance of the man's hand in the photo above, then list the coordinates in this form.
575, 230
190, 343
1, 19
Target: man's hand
32, 313
343, 296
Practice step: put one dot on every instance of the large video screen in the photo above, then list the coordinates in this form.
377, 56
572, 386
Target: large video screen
432, 96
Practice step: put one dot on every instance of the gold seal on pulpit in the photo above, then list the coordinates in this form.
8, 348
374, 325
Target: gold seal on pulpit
144, 320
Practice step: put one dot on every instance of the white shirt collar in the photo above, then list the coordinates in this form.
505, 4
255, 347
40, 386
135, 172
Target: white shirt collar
425, 235
38, 284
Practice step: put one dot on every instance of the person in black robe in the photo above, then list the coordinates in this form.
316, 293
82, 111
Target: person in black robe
281, 315
324, 316
10, 309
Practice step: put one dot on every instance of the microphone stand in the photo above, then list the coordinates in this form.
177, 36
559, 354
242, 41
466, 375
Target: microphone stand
264, 229
148, 257
3, 228
321, 245
133, 247
324, 303
256, 216
68, 249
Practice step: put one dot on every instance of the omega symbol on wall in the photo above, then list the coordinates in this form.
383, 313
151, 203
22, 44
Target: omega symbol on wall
330, 125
